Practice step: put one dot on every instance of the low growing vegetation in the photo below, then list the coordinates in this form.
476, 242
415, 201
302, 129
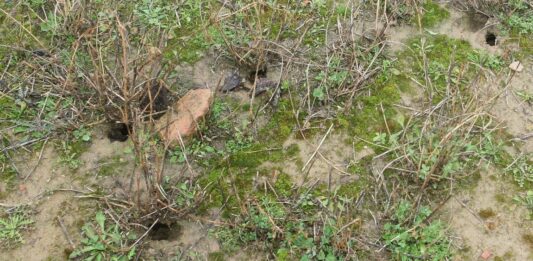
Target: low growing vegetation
416, 123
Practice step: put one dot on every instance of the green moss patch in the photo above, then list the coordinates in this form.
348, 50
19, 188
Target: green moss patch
433, 14
113, 166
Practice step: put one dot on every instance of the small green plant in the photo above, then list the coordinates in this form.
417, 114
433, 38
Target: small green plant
408, 237
527, 201
336, 78
69, 155
12, 226
238, 142
102, 241
405, 144
187, 195
24, 118
154, 13
525, 96
196, 149
218, 109
521, 24
517, 16
51, 24
287, 231
522, 171
487, 60
8, 173
82, 134
217, 116
37, 3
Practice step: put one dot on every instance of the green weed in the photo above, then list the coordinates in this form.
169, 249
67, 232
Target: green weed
187, 196
191, 35
195, 150
367, 113
487, 60
331, 80
154, 13
522, 171
516, 16
102, 241
525, 96
408, 236
521, 24
526, 199
82, 134
25, 119
51, 24
70, 152
434, 159
8, 173
267, 225
12, 226
239, 142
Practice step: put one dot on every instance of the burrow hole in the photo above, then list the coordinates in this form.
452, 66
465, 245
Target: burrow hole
118, 132
490, 39
261, 73
163, 231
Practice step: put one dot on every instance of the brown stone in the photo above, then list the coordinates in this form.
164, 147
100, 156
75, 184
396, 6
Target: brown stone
516, 66
486, 254
182, 120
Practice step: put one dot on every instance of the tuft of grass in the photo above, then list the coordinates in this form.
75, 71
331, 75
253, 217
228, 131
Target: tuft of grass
521, 23
522, 171
286, 231
409, 237
8, 173
104, 241
70, 152
12, 227
484, 59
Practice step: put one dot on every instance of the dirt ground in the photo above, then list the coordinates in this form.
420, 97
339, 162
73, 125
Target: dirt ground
481, 219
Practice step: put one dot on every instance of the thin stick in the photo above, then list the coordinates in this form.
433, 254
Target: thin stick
65, 233
318, 147
38, 161
145, 233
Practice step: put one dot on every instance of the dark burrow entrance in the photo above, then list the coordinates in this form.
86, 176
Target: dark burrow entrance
490, 39
155, 100
162, 231
260, 73
152, 104
118, 132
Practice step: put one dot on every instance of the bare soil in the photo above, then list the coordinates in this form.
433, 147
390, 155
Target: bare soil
486, 219
500, 227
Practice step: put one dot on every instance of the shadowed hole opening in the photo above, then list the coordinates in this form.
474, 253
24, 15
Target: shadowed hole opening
261, 73
162, 231
155, 100
490, 39
118, 132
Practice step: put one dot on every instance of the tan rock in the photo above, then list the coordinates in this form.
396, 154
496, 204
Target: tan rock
486, 254
182, 120
516, 66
